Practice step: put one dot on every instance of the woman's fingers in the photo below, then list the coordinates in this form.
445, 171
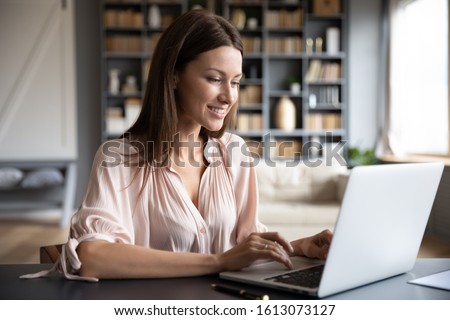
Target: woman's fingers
258, 246
272, 250
318, 245
276, 238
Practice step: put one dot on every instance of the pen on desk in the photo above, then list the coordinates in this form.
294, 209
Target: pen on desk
239, 292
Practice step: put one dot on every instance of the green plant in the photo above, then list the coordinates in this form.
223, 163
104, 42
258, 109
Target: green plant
293, 79
359, 157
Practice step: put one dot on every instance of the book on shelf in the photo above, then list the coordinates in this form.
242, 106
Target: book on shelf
123, 43
245, 1
289, 44
326, 7
115, 121
123, 19
249, 122
319, 121
329, 95
251, 44
284, 19
327, 71
124, 1
250, 94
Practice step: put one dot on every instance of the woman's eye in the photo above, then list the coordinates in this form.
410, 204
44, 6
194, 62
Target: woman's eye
235, 83
214, 80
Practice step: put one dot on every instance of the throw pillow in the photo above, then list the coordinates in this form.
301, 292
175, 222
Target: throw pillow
44, 177
10, 177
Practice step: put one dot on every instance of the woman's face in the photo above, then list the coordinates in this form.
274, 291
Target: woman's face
208, 87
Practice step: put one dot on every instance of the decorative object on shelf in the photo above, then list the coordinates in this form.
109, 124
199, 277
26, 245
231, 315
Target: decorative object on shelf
252, 23
154, 16
309, 45
196, 4
319, 45
294, 85
285, 113
312, 101
114, 81
238, 18
295, 88
130, 85
333, 35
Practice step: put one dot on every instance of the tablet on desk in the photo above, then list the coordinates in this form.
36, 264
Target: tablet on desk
440, 280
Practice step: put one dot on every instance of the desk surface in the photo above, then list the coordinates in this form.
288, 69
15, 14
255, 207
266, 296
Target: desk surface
199, 288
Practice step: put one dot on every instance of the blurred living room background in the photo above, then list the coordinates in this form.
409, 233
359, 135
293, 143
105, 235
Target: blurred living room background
368, 78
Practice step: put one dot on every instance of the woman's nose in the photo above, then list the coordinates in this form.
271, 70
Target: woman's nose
226, 96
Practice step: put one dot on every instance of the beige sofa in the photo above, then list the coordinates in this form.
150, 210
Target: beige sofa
300, 200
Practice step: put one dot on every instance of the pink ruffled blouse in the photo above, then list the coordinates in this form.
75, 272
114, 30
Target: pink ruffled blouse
163, 216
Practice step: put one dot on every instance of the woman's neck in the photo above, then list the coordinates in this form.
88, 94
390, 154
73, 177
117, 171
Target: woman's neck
188, 145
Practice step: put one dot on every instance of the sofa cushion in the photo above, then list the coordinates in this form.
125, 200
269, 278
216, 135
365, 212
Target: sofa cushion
301, 213
280, 182
296, 220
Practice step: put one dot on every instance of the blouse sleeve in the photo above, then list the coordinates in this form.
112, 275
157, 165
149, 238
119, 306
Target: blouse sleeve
243, 173
106, 211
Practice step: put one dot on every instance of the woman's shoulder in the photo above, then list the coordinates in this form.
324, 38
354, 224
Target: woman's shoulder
114, 152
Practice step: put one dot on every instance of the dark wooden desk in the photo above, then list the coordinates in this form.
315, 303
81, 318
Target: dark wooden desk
198, 288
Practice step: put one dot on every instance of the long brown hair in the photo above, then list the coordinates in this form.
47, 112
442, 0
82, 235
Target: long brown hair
191, 34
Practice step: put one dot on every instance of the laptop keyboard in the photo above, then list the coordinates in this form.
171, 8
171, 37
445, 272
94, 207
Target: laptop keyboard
306, 277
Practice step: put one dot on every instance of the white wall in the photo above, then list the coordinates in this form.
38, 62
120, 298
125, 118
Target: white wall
37, 81
364, 64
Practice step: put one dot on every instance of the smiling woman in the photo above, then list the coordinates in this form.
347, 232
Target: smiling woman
180, 197
207, 89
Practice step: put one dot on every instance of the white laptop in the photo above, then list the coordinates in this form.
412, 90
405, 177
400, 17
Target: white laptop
377, 235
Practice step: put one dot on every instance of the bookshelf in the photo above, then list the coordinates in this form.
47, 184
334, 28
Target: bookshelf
287, 52
130, 31
286, 42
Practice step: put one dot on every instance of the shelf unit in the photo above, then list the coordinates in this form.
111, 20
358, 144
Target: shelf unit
129, 37
278, 52
276, 43
60, 196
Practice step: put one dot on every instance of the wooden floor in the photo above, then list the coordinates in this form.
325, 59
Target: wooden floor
20, 241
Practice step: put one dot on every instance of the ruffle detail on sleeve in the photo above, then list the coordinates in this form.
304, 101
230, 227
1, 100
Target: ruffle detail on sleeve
87, 225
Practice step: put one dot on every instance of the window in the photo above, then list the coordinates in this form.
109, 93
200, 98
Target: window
418, 77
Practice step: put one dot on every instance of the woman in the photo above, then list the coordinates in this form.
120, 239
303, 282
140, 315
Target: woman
176, 196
